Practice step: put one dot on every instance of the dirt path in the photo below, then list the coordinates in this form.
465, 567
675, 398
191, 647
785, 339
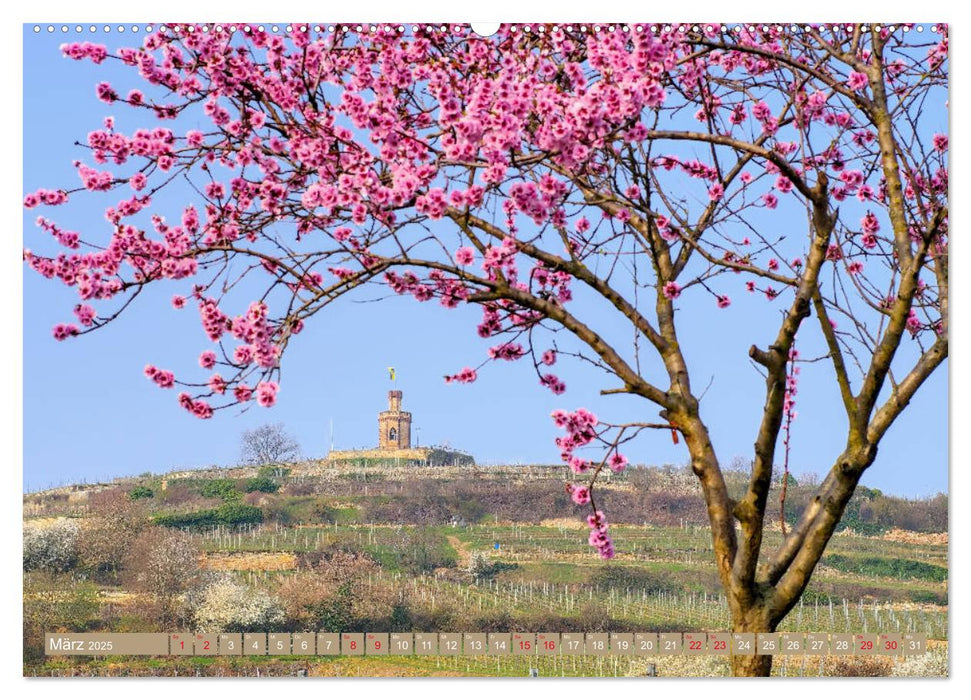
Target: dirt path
460, 549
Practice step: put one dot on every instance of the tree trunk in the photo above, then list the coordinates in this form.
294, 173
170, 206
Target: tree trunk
751, 665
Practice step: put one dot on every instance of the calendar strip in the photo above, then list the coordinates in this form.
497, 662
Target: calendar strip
482, 644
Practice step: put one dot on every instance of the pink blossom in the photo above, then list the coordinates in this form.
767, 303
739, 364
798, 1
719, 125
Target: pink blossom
217, 384
507, 351
243, 355
869, 223
465, 376
578, 465
178, 301
724, 302
207, 360
163, 377
617, 462
549, 357
62, 331
940, 142
857, 81
580, 495
464, 256
770, 200
671, 290
553, 383
106, 93
913, 323
138, 181
85, 313
243, 393
266, 393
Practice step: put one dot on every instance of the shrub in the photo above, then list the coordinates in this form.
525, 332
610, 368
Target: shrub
226, 605
192, 520
400, 619
278, 510
231, 514
263, 484
52, 546
55, 601
418, 551
335, 614
893, 568
480, 566
300, 595
238, 514
860, 667
623, 577
931, 664
141, 492
322, 512
219, 488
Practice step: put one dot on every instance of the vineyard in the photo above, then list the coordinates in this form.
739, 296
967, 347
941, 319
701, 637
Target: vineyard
318, 559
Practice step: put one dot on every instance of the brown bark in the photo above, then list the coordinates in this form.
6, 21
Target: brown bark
753, 666
753, 619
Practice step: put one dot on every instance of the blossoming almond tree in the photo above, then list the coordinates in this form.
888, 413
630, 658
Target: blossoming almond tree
536, 174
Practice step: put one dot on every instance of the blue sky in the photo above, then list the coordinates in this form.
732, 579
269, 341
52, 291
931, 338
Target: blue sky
89, 413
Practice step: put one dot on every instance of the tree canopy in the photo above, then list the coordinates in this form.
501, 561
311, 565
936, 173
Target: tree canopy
636, 166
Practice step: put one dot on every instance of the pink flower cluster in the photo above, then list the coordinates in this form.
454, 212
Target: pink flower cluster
266, 393
404, 140
63, 331
599, 538
255, 331
163, 377
82, 50
197, 407
465, 376
580, 427
42, 196
553, 383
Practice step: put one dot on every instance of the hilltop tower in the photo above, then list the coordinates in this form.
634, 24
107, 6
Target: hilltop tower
394, 445
394, 425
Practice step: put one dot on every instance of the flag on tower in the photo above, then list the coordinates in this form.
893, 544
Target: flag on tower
391, 372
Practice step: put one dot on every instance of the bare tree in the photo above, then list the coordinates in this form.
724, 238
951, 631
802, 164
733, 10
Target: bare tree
162, 564
269, 443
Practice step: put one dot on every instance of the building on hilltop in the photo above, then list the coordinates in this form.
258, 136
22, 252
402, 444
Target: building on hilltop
394, 425
394, 444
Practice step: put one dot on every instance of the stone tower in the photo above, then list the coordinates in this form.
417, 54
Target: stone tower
394, 425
